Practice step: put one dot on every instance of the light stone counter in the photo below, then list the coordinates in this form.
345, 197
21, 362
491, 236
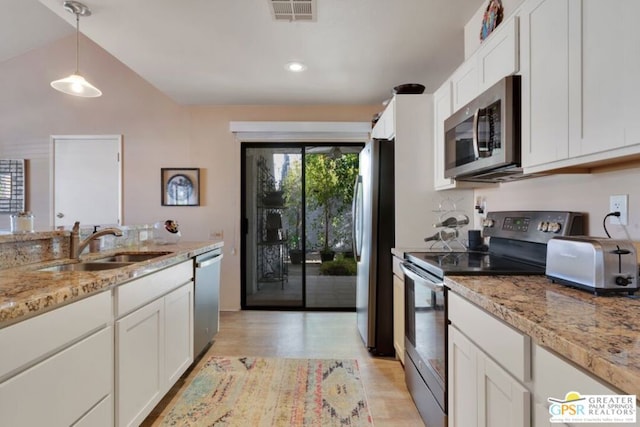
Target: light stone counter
25, 291
601, 334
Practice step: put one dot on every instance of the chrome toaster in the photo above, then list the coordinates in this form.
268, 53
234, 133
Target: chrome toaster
597, 264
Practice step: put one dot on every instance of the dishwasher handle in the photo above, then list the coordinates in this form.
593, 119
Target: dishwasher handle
209, 261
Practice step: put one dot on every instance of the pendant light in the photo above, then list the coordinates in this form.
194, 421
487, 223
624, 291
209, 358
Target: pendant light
75, 84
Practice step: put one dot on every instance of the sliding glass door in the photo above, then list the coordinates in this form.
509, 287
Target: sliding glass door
296, 205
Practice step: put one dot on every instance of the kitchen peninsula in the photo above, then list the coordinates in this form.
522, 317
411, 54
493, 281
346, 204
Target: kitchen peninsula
569, 339
98, 347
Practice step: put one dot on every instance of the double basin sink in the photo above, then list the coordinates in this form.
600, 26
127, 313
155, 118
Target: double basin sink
106, 263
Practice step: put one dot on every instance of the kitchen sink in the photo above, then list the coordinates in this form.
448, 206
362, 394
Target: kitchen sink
117, 260
131, 257
87, 266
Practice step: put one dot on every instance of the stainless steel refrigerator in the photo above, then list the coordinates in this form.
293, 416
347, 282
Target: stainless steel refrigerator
373, 224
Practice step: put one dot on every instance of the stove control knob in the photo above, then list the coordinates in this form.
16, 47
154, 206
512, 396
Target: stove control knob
623, 281
555, 227
543, 226
487, 222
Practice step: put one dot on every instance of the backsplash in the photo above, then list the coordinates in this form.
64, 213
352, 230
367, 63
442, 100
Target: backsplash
20, 249
587, 193
27, 248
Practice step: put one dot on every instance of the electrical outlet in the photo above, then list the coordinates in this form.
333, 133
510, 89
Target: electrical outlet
619, 204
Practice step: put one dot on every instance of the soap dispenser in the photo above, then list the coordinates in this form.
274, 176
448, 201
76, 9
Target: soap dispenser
94, 245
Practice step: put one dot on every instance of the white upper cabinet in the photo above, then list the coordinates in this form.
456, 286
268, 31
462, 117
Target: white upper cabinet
607, 85
579, 65
385, 126
498, 56
464, 83
442, 109
544, 26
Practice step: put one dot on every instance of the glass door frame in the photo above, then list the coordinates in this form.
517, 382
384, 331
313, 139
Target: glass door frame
244, 221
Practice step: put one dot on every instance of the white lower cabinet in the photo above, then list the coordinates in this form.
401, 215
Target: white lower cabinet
57, 368
139, 362
497, 378
489, 364
554, 377
502, 401
481, 393
100, 415
63, 389
398, 309
178, 321
462, 381
154, 347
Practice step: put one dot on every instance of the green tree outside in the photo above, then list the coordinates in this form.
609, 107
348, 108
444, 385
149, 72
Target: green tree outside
329, 185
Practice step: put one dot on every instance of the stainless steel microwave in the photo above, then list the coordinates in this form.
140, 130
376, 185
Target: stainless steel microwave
482, 139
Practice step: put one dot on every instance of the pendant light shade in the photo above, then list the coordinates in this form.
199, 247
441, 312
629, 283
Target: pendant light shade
75, 84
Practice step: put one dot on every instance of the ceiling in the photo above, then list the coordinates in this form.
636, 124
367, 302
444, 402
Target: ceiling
219, 52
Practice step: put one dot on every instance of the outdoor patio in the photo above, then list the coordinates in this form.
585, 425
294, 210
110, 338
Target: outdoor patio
322, 291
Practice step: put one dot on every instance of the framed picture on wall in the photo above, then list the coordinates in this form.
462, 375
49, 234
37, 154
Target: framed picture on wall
12, 186
180, 186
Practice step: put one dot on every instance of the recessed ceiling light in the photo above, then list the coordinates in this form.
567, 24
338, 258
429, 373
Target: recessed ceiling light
295, 67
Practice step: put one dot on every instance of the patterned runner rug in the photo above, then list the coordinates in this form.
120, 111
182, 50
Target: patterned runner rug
267, 392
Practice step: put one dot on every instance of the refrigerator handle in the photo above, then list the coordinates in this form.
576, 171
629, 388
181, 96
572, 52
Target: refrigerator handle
356, 220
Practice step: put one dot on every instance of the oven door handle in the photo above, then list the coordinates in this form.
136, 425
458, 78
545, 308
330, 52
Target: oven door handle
436, 287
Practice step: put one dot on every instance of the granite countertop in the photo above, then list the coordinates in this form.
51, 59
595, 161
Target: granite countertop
598, 333
25, 291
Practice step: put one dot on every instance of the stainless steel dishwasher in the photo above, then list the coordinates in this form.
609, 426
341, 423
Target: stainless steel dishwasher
206, 299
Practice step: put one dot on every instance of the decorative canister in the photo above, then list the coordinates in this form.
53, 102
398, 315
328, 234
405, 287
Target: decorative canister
22, 222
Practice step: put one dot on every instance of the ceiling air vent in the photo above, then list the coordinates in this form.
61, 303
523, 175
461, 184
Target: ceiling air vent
293, 10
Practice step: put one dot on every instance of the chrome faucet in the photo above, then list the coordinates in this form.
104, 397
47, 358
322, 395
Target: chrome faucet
76, 247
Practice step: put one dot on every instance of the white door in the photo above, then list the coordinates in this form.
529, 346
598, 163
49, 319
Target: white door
86, 179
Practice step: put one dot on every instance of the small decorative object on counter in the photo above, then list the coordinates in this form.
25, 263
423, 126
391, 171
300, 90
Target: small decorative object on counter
167, 232
22, 222
453, 221
443, 235
450, 221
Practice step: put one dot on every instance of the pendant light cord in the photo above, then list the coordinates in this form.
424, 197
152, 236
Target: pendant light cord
77, 43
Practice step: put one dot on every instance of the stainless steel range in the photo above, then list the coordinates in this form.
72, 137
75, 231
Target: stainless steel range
518, 245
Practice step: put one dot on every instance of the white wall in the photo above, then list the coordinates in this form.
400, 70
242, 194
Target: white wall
579, 192
157, 132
